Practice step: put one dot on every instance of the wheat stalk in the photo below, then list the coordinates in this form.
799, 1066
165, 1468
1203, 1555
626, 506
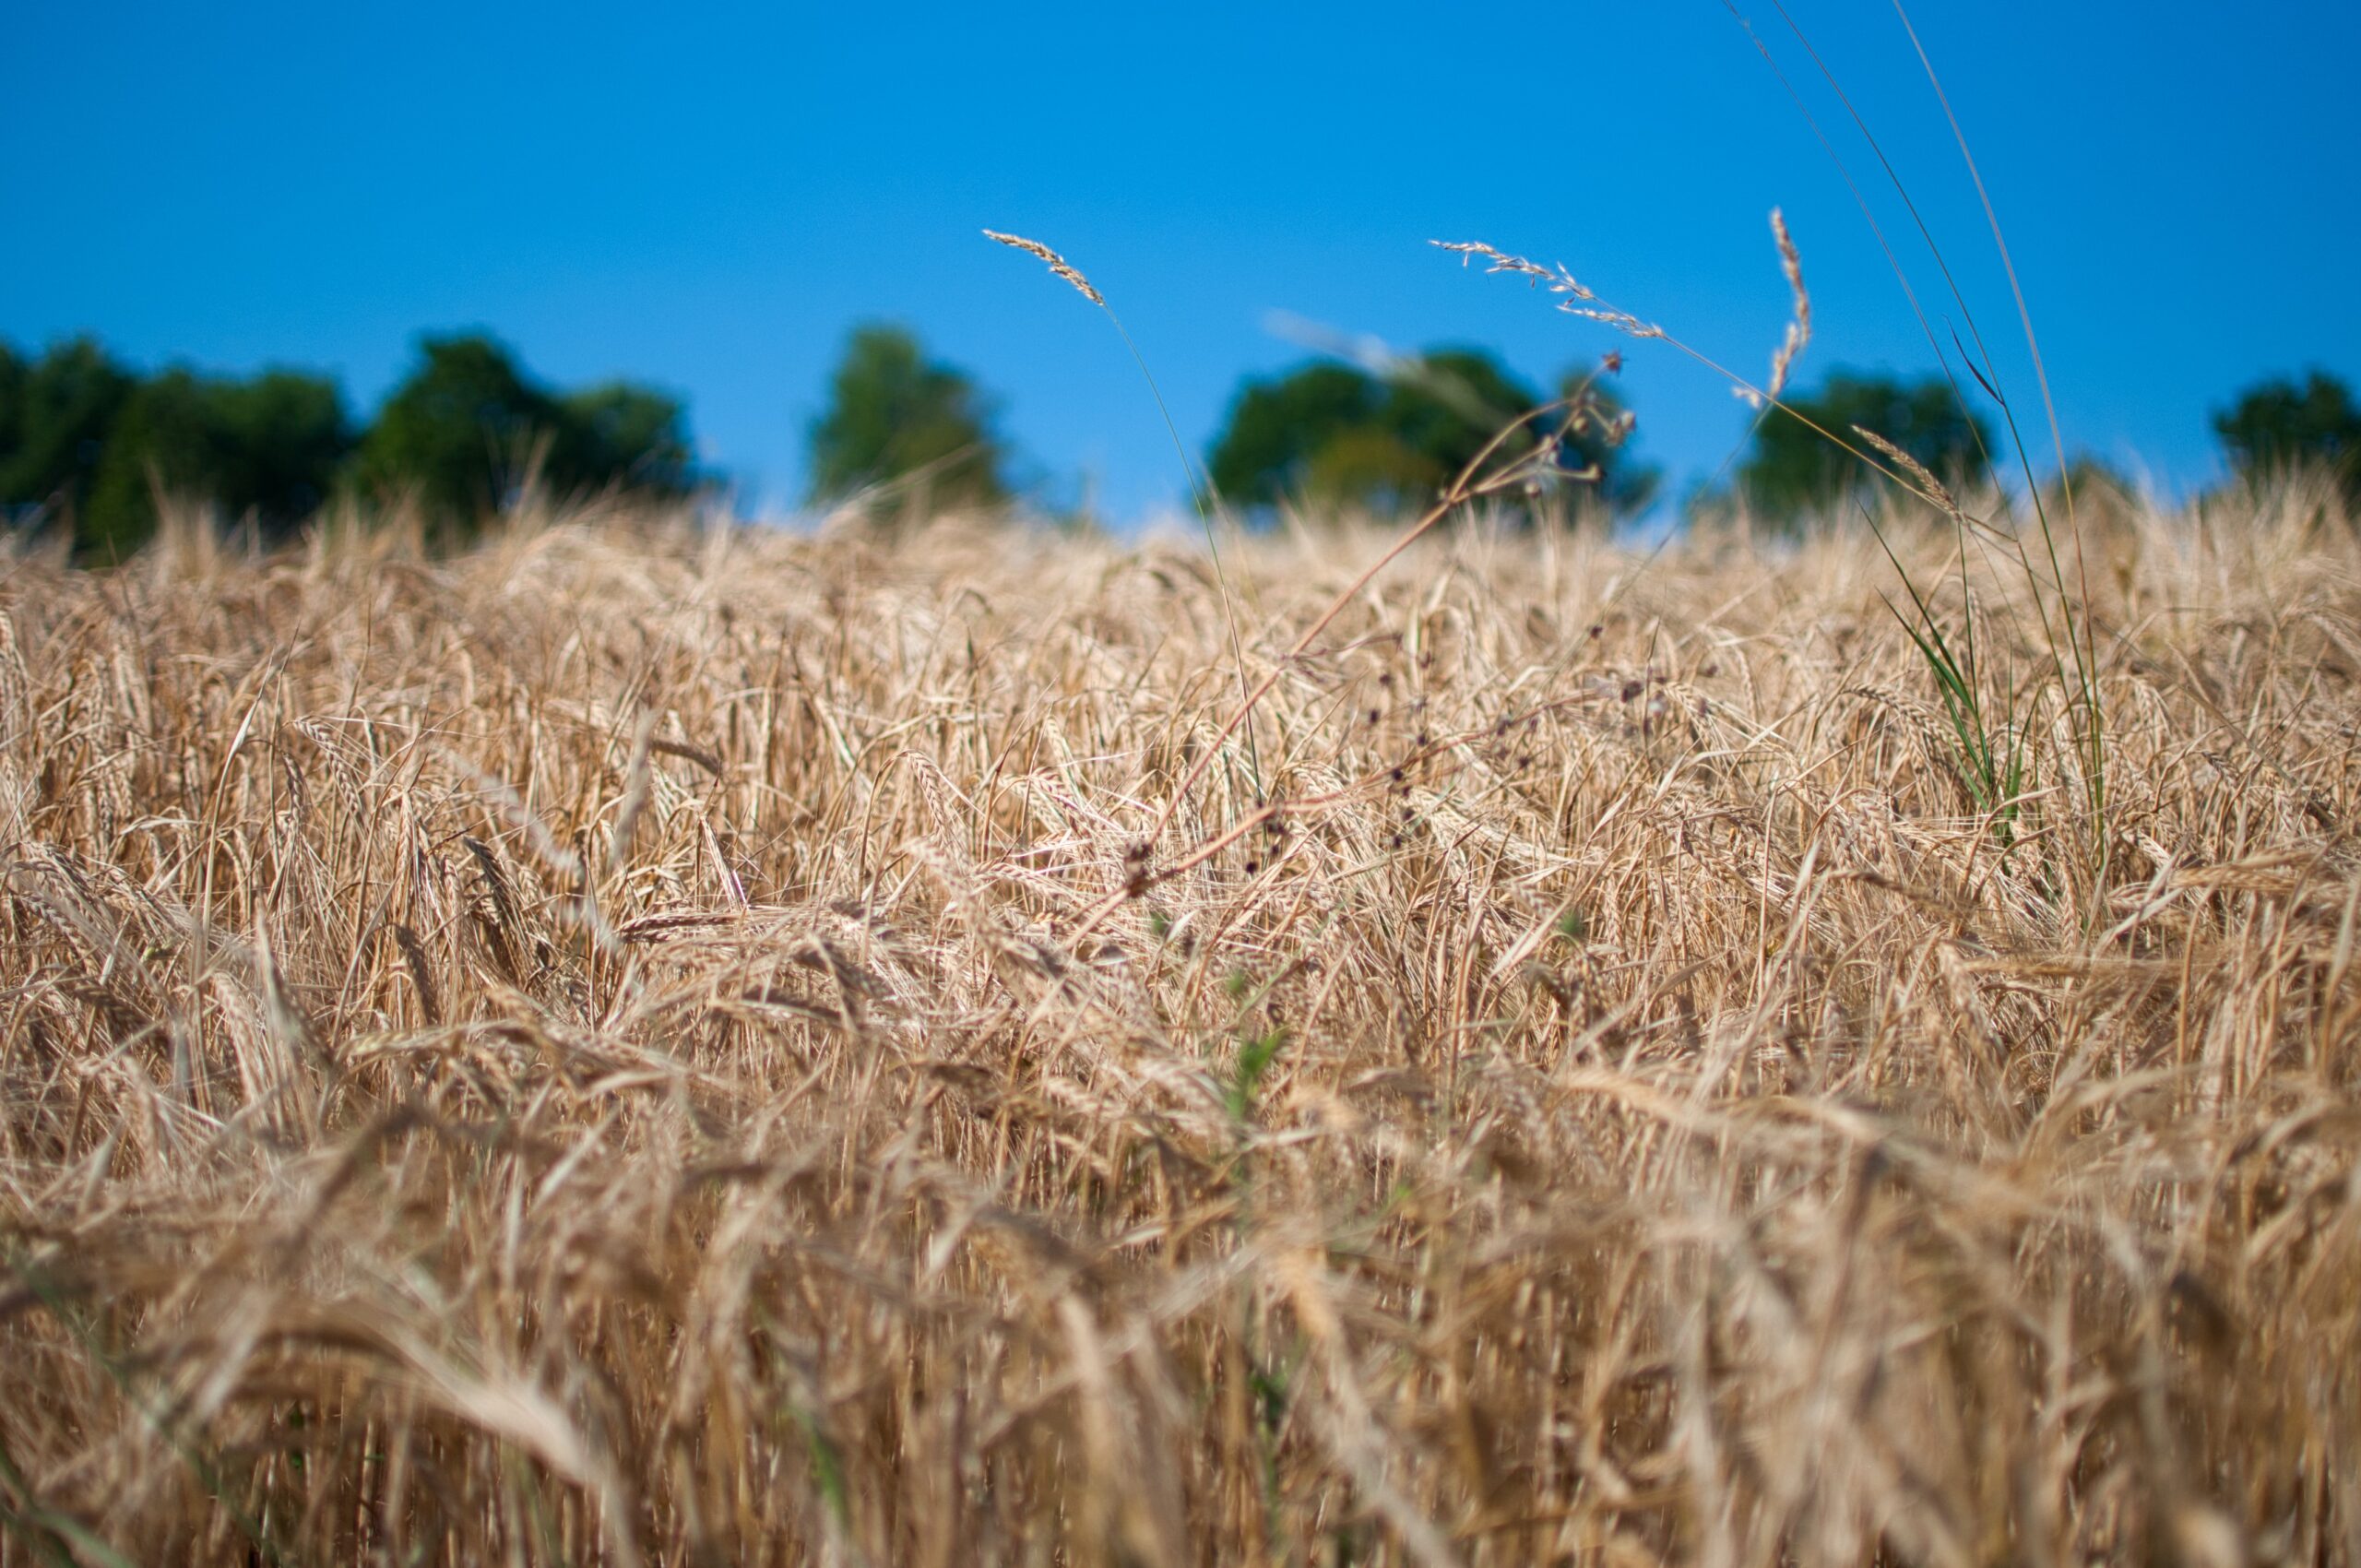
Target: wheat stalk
1928, 485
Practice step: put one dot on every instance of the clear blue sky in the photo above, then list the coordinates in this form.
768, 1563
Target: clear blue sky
707, 197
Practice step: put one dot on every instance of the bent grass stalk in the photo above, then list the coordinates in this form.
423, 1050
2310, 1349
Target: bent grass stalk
1199, 491
2083, 696
2086, 651
1893, 463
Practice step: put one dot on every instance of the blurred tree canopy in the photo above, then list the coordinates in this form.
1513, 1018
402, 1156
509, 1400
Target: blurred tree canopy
2276, 425
1793, 468
1338, 434
468, 428
56, 414
86, 442
460, 429
897, 418
622, 433
267, 450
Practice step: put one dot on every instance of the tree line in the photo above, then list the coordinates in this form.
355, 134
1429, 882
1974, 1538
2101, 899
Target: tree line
901, 426
87, 444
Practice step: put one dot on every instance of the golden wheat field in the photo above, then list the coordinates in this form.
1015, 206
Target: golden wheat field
640, 1044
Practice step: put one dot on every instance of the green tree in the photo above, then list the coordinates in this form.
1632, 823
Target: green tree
1277, 426
1340, 435
266, 450
55, 414
1444, 409
468, 425
1793, 468
627, 436
461, 431
894, 415
2276, 425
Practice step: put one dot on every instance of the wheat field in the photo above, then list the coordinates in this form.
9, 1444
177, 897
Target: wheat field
640, 1044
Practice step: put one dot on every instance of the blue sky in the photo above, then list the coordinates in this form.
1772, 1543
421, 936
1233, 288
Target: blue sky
707, 197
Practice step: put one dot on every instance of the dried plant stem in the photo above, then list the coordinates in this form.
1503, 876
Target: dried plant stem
1200, 490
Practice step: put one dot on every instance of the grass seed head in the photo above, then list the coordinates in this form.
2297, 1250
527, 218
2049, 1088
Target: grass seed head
1055, 262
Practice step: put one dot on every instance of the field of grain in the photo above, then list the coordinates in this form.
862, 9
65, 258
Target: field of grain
634, 1044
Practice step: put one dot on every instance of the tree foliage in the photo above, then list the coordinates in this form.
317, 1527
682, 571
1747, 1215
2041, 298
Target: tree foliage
1793, 468
897, 418
2276, 425
1338, 434
1277, 426
55, 415
265, 450
632, 436
461, 430
86, 442
469, 427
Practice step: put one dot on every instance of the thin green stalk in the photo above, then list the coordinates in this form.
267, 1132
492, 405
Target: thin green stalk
2086, 651
1992, 781
2083, 656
